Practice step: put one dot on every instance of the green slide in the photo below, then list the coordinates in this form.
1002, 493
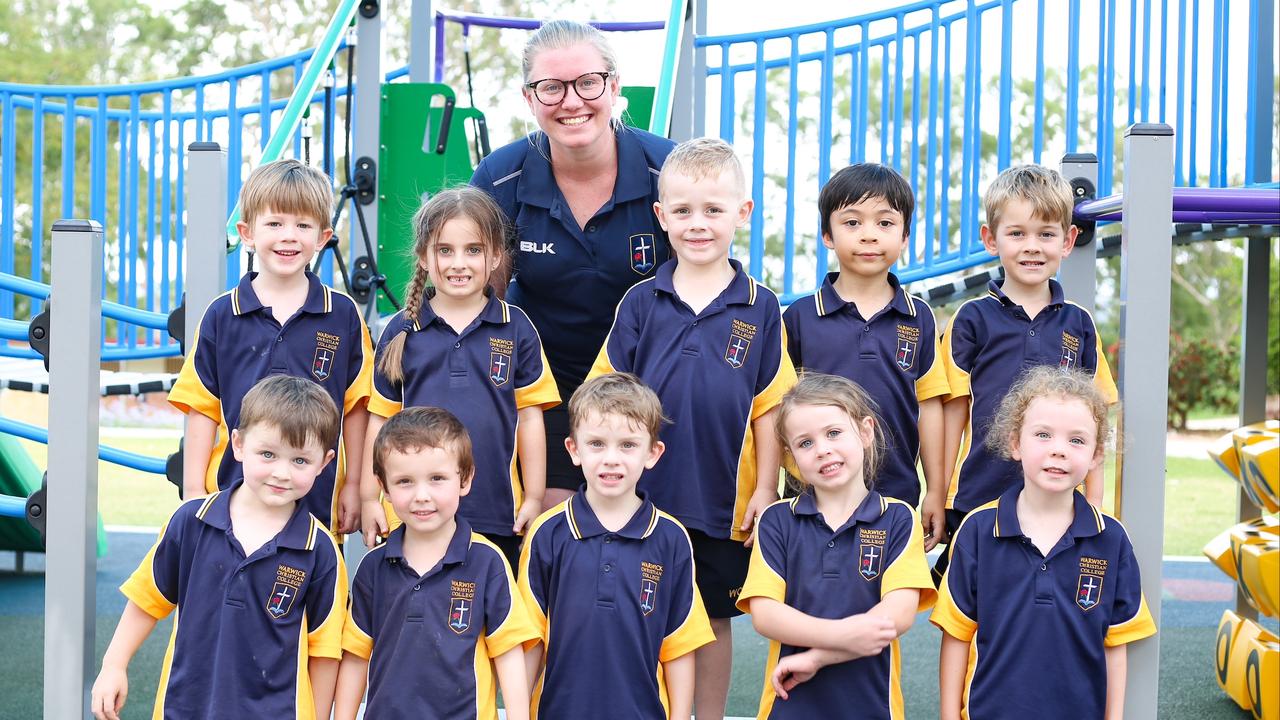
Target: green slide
20, 477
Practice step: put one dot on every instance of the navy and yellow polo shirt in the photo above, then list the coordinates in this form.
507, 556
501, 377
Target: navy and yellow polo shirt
894, 356
989, 343
484, 375
245, 627
1037, 626
239, 343
715, 371
568, 277
430, 638
798, 560
612, 607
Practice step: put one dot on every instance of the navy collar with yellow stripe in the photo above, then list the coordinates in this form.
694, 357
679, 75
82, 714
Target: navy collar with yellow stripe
299, 533
1056, 296
868, 511
827, 300
245, 300
455, 554
1086, 523
494, 311
538, 183
741, 290
583, 522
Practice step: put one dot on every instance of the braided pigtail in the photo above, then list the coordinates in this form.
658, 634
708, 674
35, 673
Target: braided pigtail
392, 364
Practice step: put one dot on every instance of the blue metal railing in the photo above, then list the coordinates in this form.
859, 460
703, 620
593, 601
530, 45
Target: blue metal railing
932, 89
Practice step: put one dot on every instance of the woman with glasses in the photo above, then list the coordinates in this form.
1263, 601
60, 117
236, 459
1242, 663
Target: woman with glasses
579, 192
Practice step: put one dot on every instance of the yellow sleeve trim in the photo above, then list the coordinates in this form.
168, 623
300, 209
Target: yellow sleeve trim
1139, 626
948, 617
783, 379
362, 387
517, 627
909, 570
326, 639
355, 640
762, 581
542, 392
383, 406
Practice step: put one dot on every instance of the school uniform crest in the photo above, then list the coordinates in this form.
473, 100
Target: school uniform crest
904, 355
1089, 585
643, 253
1070, 351
322, 364
740, 336
650, 576
870, 557
459, 615
500, 352
286, 588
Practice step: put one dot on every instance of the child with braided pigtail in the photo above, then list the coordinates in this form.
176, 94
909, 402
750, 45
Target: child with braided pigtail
457, 346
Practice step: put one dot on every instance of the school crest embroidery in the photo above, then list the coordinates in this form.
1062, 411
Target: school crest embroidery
500, 352
908, 340
326, 350
286, 588
740, 336
650, 575
462, 598
871, 552
1089, 585
1070, 351
643, 253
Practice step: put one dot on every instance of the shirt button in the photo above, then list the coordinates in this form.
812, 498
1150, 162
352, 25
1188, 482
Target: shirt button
831, 543
1044, 566
279, 338
1033, 333
608, 538
608, 567
457, 345
416, 588
866, 328
591, 228
695, 323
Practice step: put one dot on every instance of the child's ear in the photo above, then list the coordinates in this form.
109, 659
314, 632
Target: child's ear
867, 429
572, 447
328, 458
989, 239
1069, 241
246, 236
465, 487
655, 453
1015, 449
237, 442
744, 211
662, 218
826, 240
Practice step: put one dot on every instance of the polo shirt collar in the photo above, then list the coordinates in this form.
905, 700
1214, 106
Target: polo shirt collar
1086, 523
741, 290
494, 311
633, 177
584, 524
1056, 296
868, 511
829, 301
298, 533
245, 300
538, 184
455, 554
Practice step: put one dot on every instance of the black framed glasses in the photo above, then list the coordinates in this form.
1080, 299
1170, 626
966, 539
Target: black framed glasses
588, 86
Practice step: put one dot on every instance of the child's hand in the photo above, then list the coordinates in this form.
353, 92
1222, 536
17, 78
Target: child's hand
109, 693
529, 511
373, 522
865, 634
759, 501
349, 508
933, 516
793, 670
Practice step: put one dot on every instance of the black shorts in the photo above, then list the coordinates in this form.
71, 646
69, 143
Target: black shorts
561, 472
510, 547
954, 517
722, 569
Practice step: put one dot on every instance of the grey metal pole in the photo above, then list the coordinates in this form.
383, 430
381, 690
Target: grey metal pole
206, 269
1079, 271
75, 348
682, 105
1145, 280
422, 36
699, 71
367, 124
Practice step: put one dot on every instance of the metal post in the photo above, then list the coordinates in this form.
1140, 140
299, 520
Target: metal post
75, 348
682, 105
367, 128
421, 36
1079, 272
1145, 280
206, 247
699, 81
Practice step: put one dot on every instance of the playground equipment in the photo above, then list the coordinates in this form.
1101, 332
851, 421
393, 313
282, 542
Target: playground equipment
894, 69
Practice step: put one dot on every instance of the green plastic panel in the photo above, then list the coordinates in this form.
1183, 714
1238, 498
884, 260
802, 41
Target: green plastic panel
639, 105
19, 477
410, 169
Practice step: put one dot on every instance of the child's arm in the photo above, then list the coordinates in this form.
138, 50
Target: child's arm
953, 661
323, 672
373, 519
768, 457
350, 688
111, 689
354, 424
531, 442
510, 669
862, 634
955, 416
933, 441
678, 674
1117, 667
197, 448
533, 663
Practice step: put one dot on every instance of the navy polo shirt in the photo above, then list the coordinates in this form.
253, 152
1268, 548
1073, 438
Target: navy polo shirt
245, 626
988, 345
715, 372
484, 375
612, 607
429, 638
239, 343
1038, 625
569, 278
893, 356
799, 561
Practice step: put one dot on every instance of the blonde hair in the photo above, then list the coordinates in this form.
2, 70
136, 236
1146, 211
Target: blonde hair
822, 390
620, 394
462, 202
1045, 381
287, 186
558, 34
701, 158
413, 429
1048, 192
297, 408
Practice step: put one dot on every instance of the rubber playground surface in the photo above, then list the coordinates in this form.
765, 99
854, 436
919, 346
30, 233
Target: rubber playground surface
1195, 594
